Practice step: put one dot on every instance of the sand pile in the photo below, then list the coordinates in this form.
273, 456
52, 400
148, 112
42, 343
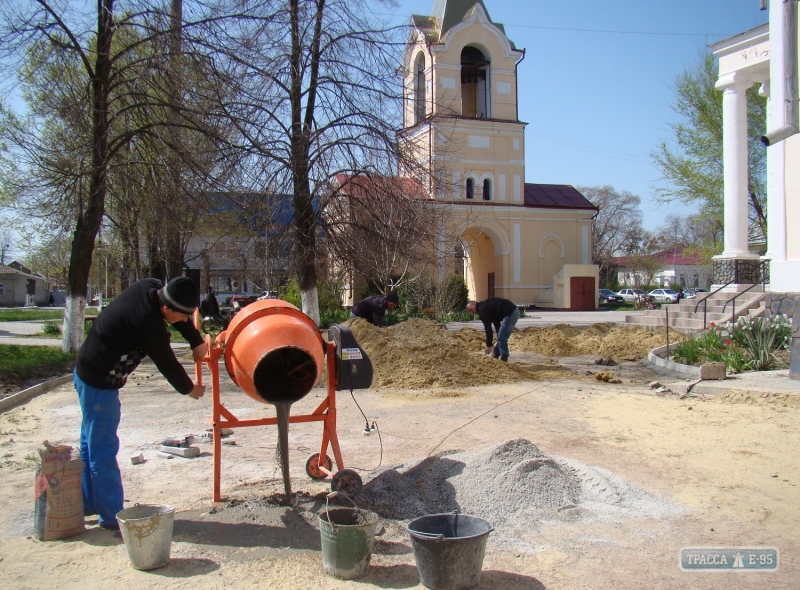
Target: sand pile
621, 342
512, 479
513, 485
418, 354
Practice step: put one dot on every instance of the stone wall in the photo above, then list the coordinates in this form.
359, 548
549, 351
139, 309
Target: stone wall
782, 304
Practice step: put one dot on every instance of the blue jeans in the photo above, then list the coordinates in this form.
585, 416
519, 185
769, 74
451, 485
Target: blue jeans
102, 482
506, 327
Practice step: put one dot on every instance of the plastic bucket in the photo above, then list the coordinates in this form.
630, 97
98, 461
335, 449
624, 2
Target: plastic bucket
449, 549
147, 532
348, 538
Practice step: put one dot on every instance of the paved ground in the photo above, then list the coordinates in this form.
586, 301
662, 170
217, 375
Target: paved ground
22, 333
552, 318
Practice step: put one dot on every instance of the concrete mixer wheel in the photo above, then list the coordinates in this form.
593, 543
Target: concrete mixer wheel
312, 466
346, 481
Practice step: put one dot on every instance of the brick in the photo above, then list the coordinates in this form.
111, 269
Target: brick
137, 459
709, 371
180, 451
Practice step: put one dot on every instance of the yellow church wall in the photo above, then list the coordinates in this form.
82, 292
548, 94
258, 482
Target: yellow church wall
529, 247
524, 247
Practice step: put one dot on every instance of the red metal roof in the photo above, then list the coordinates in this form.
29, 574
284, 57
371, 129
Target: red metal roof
672, 256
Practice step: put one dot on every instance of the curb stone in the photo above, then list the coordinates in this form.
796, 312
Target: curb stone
26, 394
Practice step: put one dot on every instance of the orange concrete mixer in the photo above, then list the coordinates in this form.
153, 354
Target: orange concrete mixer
275, 354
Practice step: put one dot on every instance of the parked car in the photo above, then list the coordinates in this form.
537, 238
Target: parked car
608, 296
630, 294
664, 295
268, 295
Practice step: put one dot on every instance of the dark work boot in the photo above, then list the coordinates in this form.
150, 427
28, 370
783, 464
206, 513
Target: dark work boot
504, 358
495, 353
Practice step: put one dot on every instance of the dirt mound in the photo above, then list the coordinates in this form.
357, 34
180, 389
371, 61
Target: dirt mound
418, 354
621, 342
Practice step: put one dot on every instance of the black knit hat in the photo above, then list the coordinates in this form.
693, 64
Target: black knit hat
180, 294
392, 298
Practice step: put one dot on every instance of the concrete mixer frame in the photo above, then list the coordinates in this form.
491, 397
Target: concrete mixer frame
224, 418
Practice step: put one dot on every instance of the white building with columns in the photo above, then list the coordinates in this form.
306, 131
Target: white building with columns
757, 57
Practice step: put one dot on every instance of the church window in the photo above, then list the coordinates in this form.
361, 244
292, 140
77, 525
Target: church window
470, 188
419, 88
475, 84
487, 190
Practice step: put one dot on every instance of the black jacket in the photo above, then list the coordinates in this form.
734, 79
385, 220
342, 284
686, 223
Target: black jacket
492, 311
371, 309
126, 331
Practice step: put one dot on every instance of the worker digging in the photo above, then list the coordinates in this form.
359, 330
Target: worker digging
500, 314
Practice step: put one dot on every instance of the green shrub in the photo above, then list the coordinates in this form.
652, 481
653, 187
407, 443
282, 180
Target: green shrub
748, 344
736, 361
52, 328
688, 352
331, 317
452, 294
292, 294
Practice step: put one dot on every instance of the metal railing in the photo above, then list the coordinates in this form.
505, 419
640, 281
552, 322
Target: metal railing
762, 266
732, 300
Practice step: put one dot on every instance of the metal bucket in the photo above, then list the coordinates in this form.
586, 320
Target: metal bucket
449, 549
147, 532
348, 538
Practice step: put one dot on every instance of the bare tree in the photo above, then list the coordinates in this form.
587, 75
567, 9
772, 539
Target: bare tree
381, 227
617, 225
95, 91
698, 234
316, 96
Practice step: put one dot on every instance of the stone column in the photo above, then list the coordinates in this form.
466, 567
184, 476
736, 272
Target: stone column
734, 153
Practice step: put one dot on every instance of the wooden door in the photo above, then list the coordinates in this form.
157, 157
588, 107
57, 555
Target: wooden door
490, 291
582, 293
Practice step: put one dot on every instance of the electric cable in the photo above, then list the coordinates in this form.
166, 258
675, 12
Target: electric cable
369, 429
481, 415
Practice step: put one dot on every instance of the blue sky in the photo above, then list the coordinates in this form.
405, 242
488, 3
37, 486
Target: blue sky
597, 83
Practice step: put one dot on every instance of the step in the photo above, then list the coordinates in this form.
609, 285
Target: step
682, 324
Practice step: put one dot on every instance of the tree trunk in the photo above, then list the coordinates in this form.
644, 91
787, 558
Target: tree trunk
90, 218
173, 256
305, 218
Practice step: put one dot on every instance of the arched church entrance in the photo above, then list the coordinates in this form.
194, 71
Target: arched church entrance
480, 259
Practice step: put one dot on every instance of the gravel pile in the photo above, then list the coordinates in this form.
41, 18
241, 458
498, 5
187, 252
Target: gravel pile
514, 486
510, 480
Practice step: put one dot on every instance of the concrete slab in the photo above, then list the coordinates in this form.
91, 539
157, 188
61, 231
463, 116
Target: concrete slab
775, 382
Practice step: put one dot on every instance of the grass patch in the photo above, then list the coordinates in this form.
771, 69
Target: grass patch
27, 362
29, 315
625, 306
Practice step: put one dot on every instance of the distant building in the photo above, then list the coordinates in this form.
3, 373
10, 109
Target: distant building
19, 286
675, 266
240, 251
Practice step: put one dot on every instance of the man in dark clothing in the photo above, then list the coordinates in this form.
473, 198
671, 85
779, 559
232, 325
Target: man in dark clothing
501, 314
374, 308
209, 308
130, 328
